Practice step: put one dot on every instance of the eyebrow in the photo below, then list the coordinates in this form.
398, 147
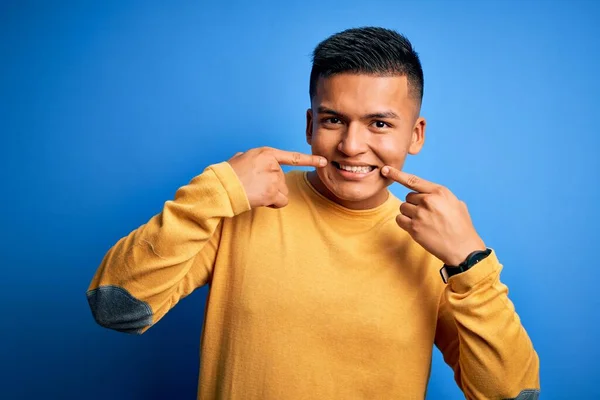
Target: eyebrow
388, 114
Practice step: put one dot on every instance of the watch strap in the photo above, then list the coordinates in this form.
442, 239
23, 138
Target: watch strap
472, 259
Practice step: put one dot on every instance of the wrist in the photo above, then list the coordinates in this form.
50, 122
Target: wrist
470, 261
461, 255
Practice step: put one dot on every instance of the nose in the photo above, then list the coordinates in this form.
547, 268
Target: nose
354, 140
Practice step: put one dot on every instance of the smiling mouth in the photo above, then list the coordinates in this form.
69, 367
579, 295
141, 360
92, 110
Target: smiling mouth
363, 169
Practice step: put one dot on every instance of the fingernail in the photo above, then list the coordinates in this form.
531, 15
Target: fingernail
385, 170
322, 162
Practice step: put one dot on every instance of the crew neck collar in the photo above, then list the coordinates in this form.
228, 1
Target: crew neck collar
388, 204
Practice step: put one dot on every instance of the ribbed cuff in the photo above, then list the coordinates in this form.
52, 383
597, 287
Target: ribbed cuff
233, 187
486, 268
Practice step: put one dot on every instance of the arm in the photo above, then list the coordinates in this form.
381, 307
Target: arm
147, 272
478, 330
482, 339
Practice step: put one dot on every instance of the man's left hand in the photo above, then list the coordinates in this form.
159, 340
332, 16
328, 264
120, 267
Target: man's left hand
435, 218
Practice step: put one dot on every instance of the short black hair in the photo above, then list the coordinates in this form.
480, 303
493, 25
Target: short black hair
367, 50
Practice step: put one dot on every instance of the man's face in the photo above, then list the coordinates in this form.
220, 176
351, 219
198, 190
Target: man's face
361, 123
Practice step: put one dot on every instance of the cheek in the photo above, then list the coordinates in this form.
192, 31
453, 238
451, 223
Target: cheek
391, 150
325, 140
326, 176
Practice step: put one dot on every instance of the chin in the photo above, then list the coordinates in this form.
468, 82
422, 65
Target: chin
353, 194
352, 191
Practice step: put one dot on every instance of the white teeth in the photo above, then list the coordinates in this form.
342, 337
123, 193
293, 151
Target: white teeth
355, 169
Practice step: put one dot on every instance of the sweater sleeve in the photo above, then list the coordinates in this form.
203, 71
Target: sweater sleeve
147, 272
481, 337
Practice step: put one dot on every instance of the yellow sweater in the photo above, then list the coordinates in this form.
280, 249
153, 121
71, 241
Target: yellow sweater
313, 301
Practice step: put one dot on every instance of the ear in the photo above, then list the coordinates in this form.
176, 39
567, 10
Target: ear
309, 117
418, 136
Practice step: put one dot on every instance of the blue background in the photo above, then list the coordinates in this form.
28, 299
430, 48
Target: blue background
108, 107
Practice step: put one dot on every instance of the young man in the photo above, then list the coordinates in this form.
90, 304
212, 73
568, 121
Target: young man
323, 285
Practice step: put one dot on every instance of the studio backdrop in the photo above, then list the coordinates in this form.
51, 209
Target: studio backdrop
108, 107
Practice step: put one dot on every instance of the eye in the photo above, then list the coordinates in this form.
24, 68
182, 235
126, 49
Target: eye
332, 120
381, 124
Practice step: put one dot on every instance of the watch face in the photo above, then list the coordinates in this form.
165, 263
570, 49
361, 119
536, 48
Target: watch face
480, 255
446, 272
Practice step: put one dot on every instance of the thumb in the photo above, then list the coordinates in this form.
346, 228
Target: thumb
280, 201
236, 155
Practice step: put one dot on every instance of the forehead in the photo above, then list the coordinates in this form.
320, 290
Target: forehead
360, 93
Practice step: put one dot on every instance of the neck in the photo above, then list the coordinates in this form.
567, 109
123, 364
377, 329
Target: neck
365, 204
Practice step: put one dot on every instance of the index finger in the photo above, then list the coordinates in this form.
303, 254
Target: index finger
410, 181
298, 159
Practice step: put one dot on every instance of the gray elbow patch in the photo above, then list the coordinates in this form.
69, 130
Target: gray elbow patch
115, 308
528, 394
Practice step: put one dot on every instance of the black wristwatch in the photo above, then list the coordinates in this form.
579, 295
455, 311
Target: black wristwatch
447, 271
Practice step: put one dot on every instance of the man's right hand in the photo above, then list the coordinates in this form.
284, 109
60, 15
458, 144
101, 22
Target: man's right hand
260, 172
